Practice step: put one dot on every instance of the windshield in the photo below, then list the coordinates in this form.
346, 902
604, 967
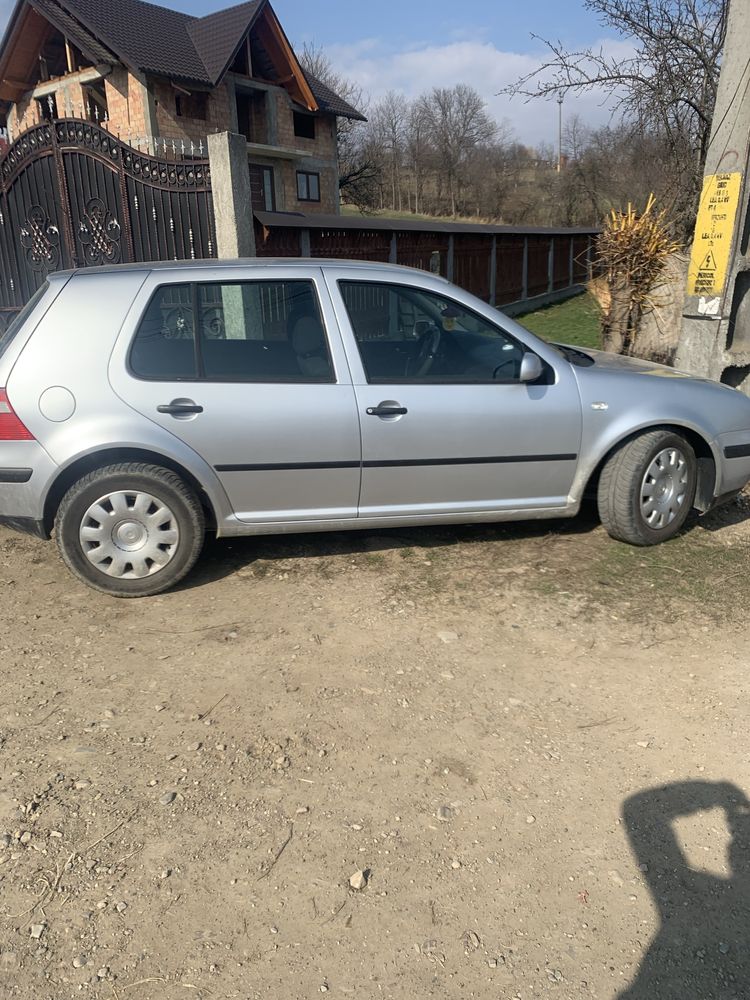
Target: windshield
6, 337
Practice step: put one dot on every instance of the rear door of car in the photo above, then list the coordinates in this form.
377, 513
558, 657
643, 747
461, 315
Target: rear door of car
453, 431
247, 367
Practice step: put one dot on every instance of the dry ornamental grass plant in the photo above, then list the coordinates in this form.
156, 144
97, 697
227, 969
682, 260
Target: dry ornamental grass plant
632, 253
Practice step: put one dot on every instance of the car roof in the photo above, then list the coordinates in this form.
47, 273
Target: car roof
259, 262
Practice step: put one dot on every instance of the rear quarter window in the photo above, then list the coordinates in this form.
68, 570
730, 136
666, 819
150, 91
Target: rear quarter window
7, 336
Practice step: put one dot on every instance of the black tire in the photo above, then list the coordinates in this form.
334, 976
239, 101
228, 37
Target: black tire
623, 494
185, 524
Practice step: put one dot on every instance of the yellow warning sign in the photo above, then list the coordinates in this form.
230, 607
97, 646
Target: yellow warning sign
713, 234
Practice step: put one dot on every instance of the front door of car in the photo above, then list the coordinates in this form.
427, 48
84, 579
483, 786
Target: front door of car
447, 425
244, 372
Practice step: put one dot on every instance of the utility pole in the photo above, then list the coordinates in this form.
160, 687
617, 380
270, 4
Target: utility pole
715, 339
560, 99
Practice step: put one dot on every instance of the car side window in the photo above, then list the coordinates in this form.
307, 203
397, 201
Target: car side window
252, 331
263, 331
408, 334
164, 346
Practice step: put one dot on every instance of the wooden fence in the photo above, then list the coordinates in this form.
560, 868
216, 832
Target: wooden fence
512, 267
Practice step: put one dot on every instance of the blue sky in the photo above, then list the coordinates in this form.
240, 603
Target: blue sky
413, 45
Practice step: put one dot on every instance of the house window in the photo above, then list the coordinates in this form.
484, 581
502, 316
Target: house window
191, 106
47, 106
304, 125
308, 186
96, 102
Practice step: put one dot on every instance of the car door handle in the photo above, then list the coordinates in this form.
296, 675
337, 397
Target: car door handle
178, 408
386, 410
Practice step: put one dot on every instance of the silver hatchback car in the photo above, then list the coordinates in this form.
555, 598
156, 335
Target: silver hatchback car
142, 405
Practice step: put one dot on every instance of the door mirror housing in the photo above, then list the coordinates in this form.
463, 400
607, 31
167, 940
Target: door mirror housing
531, 367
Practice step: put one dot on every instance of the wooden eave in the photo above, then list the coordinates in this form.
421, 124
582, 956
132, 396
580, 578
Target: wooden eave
23, 43
271, 36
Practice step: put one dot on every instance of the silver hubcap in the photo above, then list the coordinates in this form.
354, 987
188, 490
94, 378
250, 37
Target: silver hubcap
664, 488
129, 535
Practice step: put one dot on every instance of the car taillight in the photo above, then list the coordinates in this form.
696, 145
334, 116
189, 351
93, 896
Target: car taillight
11, 428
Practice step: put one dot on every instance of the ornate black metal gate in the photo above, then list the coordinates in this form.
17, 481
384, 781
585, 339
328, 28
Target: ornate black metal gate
73, 195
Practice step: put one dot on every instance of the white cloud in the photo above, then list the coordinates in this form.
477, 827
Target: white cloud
481, 64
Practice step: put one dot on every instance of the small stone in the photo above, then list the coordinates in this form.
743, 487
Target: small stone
445, 814
221, 747
324, 987
723, 947
274, 930
121, 906
5, 840
103, 972
455, 864
358, 881
80, 785
492, 962
55, 833
165, 873
530, 819
447, 636
79, 961
644, 744
25, 837
109, 713
302, 811
192, 747
36, 931
159, 708
167, 798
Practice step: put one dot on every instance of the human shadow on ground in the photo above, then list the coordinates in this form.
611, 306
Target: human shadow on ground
701, 949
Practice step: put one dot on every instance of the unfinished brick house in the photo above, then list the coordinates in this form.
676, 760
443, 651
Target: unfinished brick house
151, 73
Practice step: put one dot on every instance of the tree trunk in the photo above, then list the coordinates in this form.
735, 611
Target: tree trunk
616, 324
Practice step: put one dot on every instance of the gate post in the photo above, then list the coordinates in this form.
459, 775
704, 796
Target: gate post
230, 189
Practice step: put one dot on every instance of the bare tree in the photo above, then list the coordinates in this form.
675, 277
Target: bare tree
357, 169
666, 87
458, 123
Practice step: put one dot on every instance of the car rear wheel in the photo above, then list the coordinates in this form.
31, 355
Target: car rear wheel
130, 530
647, 488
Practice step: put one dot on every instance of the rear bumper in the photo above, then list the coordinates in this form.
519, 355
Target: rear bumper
26, 471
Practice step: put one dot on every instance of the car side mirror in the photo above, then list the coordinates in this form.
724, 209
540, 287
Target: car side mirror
531, 367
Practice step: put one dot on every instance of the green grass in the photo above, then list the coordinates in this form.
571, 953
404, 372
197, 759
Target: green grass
575, 321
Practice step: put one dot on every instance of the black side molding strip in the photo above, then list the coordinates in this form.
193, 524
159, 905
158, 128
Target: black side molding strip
287, 466
737, 451
398, 463
15, 475
481, 460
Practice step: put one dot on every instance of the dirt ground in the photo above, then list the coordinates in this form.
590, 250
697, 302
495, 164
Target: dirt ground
531, 740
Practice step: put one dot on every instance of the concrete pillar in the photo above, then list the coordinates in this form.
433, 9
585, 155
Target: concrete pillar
230, 188
525, 269
449, 263
715, 338
393, 252
304, 243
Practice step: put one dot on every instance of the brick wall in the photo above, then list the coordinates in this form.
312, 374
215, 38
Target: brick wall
126, 104
171, 126
69, 96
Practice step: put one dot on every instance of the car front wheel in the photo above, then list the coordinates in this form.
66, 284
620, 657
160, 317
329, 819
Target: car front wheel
130, 530
647, 488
